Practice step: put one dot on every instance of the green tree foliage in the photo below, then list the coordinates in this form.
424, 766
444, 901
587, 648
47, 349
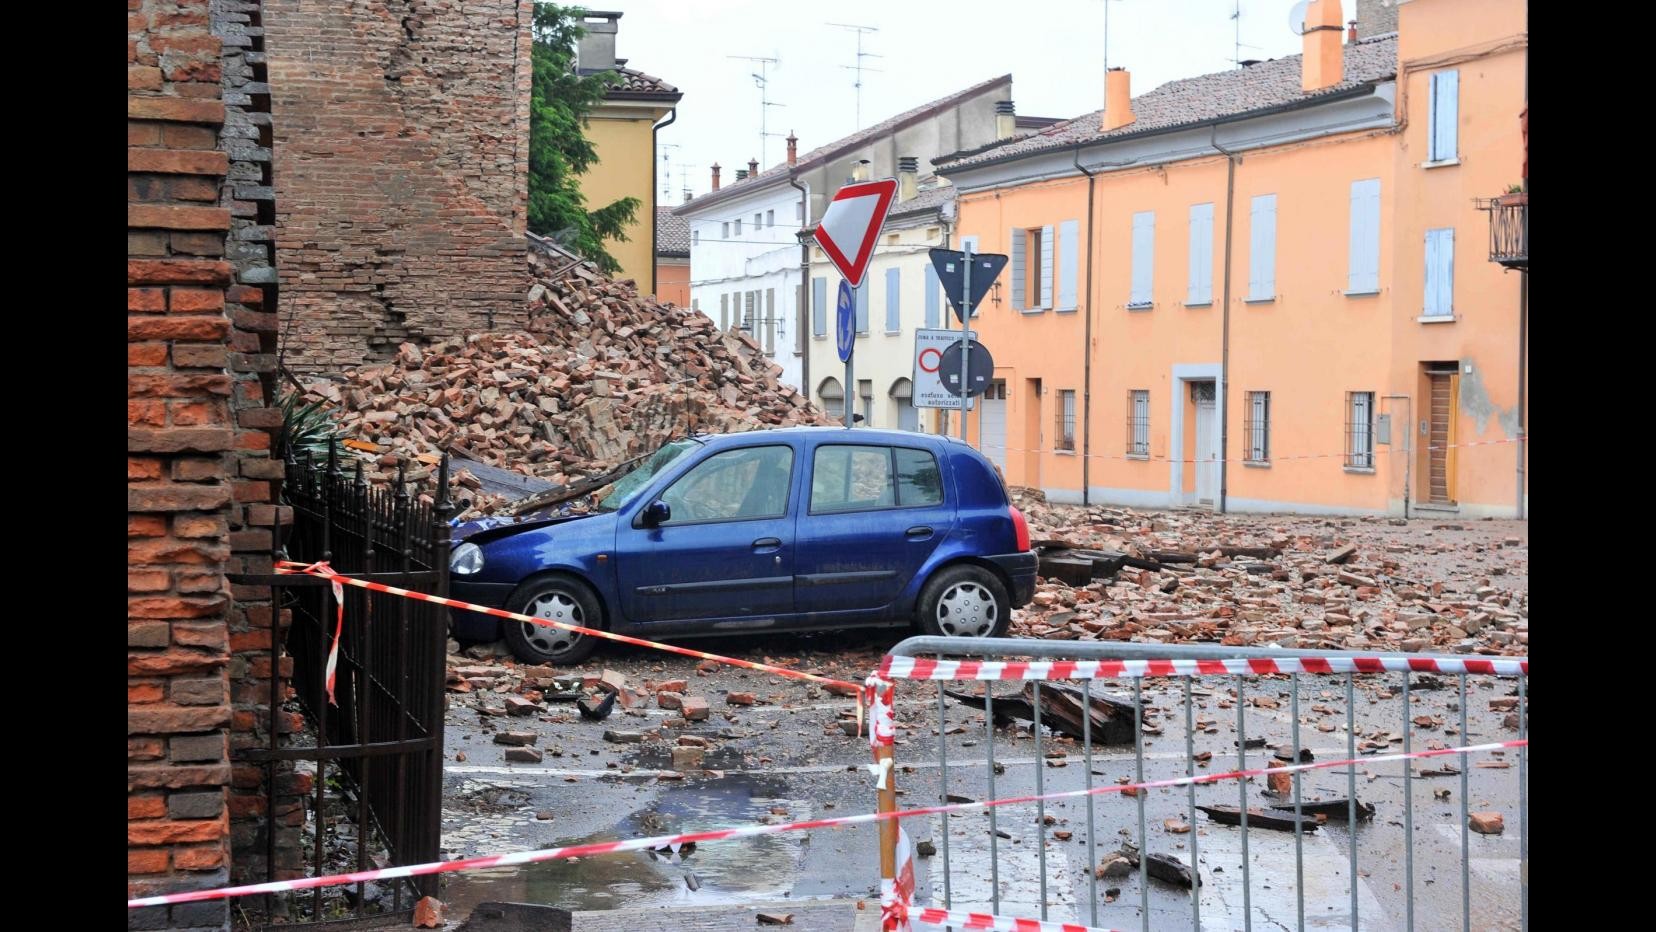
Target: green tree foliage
558, 148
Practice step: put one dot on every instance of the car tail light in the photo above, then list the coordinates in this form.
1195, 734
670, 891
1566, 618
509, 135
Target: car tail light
1020, 528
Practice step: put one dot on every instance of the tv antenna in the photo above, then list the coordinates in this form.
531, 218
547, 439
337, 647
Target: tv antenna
1107, 34
1236, 17
859, 67
668, 149
761, 79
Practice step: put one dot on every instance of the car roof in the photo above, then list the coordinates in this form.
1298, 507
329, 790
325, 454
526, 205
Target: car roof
869, 434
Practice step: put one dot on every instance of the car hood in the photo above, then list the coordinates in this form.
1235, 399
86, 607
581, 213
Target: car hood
484, 530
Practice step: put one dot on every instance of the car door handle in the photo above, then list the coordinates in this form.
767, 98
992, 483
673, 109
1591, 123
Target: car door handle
919, 530
767, 542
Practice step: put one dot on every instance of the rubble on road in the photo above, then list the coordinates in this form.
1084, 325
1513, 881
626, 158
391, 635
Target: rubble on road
602, 375
1194, 576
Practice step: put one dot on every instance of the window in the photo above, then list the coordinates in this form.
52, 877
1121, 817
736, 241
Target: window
934, 298
1138, 422
736, 485
1064, 414
770, 219
861, 301
819, 307
724, 230
1144, 258
861, 478
894, 301
735, 310
865, 390
738, 228
1257, 427
833, 398
695, 237
724, 312
748, 314
1444, 129
1200, 290
1262, 249
1363, 263
1069, 248
770, 321
1031, 269
1440, 273
1360, 430
758, 222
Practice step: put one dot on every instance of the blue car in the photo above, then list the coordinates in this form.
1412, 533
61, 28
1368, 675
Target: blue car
795, 529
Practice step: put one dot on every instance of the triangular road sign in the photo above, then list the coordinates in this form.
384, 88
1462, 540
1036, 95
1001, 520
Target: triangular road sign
951, 273
851, 225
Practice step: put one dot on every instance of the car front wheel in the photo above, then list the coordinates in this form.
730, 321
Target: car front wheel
554, 598
964, 602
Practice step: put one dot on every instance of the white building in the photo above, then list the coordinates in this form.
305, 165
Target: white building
744, 237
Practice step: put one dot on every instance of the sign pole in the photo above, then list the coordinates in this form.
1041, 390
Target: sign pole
965, 344
851, 386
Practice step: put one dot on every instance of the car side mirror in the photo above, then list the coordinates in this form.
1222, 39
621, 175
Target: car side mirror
657, 513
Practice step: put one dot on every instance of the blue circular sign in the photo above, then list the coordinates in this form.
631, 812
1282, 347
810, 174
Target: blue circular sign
846, 321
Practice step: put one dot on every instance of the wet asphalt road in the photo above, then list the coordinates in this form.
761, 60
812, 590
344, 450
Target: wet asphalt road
787, 760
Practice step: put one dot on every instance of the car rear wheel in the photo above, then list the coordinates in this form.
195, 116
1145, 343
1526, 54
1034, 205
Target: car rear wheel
964, 602
555, 598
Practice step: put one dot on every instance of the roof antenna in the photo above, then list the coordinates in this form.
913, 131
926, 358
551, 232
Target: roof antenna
859, 67
762, 81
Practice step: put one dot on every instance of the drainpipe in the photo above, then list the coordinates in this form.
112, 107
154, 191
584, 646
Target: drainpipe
655, 234
1523, 322
1224, 352
1086, 344
804, 287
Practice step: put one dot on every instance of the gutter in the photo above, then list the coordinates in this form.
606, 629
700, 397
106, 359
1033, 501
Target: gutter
1231, 159
655, 234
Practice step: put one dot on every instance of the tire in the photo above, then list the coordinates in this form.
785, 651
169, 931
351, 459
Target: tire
560, 598
964, 601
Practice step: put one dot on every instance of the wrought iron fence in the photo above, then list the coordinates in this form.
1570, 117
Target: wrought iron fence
1508, 230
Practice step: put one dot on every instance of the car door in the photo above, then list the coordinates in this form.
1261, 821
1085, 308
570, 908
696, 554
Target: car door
873, 514
727, 551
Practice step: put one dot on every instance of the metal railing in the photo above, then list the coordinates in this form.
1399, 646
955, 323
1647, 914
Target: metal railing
1228, 843
1508, 229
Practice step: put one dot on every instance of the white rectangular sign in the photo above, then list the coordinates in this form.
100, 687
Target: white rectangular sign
929, 347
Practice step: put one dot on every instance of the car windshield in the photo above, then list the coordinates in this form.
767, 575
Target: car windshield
623, 490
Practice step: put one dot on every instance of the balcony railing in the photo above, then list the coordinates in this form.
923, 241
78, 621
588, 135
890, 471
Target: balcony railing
1508, 229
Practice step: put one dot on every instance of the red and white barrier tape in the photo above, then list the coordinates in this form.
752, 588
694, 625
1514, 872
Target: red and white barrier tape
1275, 458
921, 668
290, 568
963, 920
748, 831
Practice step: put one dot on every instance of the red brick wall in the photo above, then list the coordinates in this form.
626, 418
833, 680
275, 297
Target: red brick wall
180, 471
401, 172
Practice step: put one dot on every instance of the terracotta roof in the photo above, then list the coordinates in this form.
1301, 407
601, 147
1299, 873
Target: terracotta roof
1202, 99
838, 147
672, 234
928, 200
636, 85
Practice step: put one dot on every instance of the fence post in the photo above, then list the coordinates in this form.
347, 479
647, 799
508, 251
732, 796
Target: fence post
881, 735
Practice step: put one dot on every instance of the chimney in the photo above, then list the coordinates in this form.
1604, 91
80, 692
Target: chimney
1006, 119
1351, 32
688, 196
753, 168
859, 170
1324, 61
793, 148
908, 177
715, 176
1118, 99
741, 174
596, 50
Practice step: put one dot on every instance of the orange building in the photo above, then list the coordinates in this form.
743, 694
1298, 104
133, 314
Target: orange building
1264, 289
672, 258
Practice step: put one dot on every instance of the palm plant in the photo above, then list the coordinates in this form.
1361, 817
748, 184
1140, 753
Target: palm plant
306, 428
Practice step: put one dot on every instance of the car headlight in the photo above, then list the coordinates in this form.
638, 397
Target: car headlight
466, 560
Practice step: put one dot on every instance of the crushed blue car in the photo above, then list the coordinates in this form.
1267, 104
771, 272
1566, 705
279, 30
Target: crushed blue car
787, 530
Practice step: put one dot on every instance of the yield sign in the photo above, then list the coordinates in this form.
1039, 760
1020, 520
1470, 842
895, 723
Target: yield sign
852, 223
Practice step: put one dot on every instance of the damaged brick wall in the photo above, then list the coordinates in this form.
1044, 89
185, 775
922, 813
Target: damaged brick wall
401, 172
181, 479
248, 192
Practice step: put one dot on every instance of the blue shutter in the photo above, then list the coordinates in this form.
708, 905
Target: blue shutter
894, 290
1019, 282
1144, 257
1363, 267
1262, 249
1440, 273
1201, 255
1046, 267
933, 298
1069, 241
819, 307
862, 307
1445, 115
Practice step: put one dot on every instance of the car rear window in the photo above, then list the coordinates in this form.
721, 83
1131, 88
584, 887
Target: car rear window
860, 477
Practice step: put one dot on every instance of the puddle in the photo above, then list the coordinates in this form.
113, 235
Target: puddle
753, 869
723, 757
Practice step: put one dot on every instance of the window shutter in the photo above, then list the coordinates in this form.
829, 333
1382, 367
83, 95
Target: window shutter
1069, 239
1144, 257
934, 298
724, 312
862, 307
1046, 267
1363, 272
1018, 277
819, 306
1262, 249
1445, 115
1440, 273
894, 291
1201, 255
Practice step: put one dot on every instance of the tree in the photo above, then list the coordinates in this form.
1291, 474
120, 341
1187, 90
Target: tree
559, 151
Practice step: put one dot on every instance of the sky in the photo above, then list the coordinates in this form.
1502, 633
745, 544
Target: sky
1054, 50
